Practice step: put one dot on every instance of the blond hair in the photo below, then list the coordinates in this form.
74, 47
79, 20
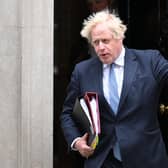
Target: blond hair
114, 24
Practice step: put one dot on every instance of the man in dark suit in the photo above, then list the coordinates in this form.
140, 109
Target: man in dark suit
130, 134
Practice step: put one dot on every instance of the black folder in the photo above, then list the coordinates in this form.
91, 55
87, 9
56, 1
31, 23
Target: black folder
88, 117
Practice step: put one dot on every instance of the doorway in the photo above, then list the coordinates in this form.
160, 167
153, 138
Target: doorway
144, 20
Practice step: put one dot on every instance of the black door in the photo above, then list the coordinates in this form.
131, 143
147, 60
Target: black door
147, 22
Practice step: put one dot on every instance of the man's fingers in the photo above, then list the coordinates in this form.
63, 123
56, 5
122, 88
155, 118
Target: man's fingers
82, 147
87, 151
88, 154
85, 136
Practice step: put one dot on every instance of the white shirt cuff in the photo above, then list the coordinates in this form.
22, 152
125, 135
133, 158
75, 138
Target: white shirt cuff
73, 143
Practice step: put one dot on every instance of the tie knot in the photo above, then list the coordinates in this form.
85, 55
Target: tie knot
112, 66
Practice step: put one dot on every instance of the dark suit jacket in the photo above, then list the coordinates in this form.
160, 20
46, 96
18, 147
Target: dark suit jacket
136, 123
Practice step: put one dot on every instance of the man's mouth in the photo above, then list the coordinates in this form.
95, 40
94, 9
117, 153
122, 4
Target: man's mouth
103, 55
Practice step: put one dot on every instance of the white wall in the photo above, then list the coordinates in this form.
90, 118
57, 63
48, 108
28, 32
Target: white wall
26, 83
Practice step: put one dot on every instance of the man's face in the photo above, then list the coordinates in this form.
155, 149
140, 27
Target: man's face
106, 47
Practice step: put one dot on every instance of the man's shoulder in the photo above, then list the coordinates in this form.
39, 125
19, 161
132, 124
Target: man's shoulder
87, 66
89, 62
143, 54
143, 51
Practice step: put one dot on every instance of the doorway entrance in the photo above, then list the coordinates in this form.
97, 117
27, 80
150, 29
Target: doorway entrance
146, 29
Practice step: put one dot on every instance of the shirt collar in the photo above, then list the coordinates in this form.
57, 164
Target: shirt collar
120, 59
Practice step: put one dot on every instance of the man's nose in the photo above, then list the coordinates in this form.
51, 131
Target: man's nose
101, 45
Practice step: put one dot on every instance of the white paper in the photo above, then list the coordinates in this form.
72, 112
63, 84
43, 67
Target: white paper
86, 110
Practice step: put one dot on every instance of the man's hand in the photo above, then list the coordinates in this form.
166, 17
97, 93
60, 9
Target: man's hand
82, 147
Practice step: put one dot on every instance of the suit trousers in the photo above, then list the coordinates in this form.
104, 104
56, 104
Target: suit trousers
112, 162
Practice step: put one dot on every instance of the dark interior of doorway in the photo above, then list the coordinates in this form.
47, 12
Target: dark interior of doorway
147, 28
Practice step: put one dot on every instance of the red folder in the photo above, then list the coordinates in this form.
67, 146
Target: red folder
93, 110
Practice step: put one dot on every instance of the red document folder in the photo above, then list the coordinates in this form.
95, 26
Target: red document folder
86, 113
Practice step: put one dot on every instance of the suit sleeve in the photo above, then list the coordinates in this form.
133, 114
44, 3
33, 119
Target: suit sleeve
68, 125
160, 68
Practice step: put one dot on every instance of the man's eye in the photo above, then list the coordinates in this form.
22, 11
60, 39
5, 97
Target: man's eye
95, 42
106, 41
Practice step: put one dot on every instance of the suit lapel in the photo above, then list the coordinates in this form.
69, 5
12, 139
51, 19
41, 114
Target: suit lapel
129, 73
98, 70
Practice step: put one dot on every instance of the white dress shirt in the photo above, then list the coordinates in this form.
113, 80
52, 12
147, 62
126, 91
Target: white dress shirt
119, 74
